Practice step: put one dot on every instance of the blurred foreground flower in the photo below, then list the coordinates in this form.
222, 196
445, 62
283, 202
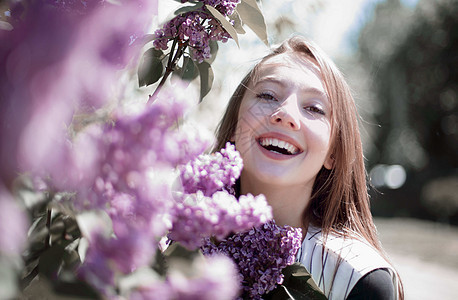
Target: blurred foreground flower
131, 181
205, 279
58, 60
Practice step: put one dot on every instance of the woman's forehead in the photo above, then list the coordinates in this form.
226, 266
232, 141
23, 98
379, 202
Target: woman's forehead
300, 65
294, 60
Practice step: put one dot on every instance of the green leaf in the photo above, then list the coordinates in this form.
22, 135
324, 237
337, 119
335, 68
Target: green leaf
176, 250
190, 70
188, 8
76, 289
237, 22
151, 68
71, 259
213, 51
206, 78
160, 263
298, 284
51, 260
252, 16
225, 23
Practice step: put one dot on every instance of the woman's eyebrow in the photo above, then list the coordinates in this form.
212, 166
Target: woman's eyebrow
316, 91
283, 83
270, 79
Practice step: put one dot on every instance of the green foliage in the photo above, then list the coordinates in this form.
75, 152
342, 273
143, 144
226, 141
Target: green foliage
206, 78
188, 7
238, 25
298, 284
251, 15
188, 71
225, 23
151, 67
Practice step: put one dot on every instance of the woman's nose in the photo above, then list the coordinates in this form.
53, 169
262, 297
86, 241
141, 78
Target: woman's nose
286, 115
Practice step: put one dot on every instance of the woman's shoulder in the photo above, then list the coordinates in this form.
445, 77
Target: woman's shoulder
375, 285
337, 262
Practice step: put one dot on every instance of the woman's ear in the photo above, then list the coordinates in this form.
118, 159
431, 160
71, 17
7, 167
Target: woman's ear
329, 162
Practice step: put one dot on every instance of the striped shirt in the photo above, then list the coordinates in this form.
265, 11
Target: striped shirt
337, 266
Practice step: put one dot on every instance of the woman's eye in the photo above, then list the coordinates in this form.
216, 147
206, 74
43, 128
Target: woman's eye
315, 109
266, 96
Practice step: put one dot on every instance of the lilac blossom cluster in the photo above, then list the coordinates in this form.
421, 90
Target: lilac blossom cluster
196, 29
211, 173
260, 254
199, 217
207, 279
130, 179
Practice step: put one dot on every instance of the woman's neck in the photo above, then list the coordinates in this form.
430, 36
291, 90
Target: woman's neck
288, 202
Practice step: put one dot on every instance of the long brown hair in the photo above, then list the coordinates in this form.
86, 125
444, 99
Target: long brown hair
339, 202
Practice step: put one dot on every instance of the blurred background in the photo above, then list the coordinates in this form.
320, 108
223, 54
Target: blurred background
401, 60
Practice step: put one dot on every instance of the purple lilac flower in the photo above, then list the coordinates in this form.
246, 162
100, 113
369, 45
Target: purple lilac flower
212, 278
131, 179
109, 257
260, 254
196, 29
212, 172
199, 217
130, 151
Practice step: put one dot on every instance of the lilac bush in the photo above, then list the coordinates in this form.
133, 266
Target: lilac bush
64, 59
260, 255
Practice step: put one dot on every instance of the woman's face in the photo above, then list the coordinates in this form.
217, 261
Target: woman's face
283, 130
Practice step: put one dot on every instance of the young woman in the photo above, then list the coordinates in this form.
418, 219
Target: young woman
294, 122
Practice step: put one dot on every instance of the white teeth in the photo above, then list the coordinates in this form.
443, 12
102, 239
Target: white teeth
278, 143
292, 149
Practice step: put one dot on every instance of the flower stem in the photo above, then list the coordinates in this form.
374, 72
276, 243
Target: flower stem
171, 64
48, 226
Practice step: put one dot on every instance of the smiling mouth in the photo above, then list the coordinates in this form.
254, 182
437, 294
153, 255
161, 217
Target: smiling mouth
278, 146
